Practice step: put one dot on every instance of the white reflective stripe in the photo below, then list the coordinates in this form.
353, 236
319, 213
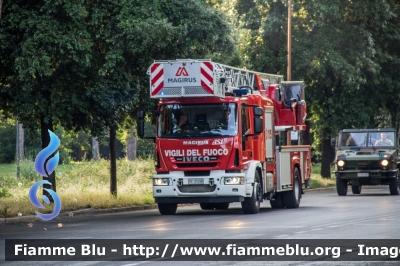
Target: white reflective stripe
208, 71
160, 78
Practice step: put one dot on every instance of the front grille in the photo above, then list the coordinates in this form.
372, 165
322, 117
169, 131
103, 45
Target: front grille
363, 153
196, 188
195, 90
172, 91
186, 165
197, 173
363, 165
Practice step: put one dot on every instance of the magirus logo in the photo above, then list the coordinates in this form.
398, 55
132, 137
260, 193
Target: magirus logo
195, 142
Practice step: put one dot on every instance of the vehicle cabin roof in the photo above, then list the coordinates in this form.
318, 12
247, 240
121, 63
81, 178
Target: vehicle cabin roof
368, 130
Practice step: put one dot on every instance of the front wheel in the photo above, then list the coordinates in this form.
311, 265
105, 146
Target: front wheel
251, 205
291, 199
356, 189
394, 187
341, 187
167, 208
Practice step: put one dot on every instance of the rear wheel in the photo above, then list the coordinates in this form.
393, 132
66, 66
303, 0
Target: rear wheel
341, 187
276, 201
291, 199
394, 187
251, 205
356, 189
167, 208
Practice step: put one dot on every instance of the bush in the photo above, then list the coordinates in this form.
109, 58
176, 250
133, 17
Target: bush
4, 193
7, 141
28, 171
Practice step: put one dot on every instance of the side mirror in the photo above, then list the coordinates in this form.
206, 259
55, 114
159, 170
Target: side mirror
258, 111
258, 125
140, 128
140, 115
140, 124
258, 122
333, 142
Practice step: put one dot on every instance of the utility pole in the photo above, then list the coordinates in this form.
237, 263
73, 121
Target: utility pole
17, 148
289, 42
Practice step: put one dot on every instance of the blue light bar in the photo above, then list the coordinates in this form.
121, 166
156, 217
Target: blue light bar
240, 92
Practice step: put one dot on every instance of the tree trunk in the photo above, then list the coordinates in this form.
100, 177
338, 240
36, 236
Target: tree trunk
21, 139
131, 151
45, 126
113, 162
95, 149
79, 154
305, 135
326, 158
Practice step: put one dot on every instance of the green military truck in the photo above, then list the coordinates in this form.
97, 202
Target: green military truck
366, 157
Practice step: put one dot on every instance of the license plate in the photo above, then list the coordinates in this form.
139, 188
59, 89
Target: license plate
196, 181
362, 174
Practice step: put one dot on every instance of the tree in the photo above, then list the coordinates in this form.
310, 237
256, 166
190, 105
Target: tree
82, 64
335, 50
43, 49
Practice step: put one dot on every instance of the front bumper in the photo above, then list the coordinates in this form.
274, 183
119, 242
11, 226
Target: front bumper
198, 199
211, 189
365, 174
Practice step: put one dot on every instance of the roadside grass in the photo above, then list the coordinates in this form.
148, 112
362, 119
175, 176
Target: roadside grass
79, 185
86, 185
319, 182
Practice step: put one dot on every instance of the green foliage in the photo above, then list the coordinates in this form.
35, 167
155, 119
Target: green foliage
74, 146
145, 148
81, 185
4, 193
343, 50
81, 64
28, 172
7, 141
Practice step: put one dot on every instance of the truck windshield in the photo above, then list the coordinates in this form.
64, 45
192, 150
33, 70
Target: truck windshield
291, 91
366, 139
197, 120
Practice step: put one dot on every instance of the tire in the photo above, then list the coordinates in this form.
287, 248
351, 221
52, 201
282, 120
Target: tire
341, 187
291, 199
394, 187
222, 206
167, 208
251, 205
356, 189
277, 203
207, 206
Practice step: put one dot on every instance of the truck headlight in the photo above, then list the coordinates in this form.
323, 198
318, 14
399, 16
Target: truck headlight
161, 181
340, 163
233, 180
384, 162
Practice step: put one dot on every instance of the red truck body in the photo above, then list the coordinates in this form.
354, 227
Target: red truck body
236, 144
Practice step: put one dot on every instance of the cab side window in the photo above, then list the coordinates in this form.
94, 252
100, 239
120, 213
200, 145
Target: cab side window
245, 120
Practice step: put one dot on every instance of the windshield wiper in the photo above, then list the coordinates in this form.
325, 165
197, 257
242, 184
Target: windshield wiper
372, 144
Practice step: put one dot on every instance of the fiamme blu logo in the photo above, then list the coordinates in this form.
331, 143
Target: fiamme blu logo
45, 166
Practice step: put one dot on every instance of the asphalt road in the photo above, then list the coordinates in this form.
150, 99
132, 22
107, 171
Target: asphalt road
322, 215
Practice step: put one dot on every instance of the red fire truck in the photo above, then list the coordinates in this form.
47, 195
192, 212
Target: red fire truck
225, 135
